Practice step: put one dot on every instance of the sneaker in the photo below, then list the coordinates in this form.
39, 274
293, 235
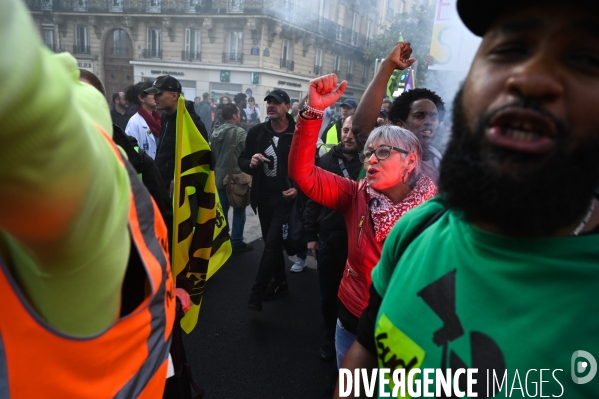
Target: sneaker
243, 247
274, 290
255, 302
298, 266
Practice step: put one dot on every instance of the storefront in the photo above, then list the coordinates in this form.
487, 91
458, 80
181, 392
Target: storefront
229, 80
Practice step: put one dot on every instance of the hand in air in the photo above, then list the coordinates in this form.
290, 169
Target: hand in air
324, 91
400, 56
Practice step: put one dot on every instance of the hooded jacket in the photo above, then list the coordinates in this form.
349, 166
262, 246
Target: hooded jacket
220, 142
259, 138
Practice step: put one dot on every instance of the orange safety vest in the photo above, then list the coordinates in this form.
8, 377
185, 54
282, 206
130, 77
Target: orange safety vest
128, 360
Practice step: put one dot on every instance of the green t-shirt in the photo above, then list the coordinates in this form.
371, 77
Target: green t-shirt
461, 297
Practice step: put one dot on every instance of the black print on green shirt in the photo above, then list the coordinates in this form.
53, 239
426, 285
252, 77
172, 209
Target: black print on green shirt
440, 296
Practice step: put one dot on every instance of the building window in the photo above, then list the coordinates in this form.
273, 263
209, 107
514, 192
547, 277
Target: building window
116, 5
81, 40
119, 43
318, 62
350, 70
48, 32
355, 26
80, 5
235, 6
402, 6
193, 6
46, 5
154, 49
337, 65
364, 74
369, 32
287, 55
192, 45
234, 51
154, 5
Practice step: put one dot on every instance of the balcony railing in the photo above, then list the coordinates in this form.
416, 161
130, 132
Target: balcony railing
119, 51
287, 64
289, 13
151, 53
317, 70
79, 49
232, 57
191, 56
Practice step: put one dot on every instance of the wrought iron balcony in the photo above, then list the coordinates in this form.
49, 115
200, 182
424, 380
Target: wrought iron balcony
317, 69
287, 64
151, 53
286, 12
191, 56
79, 49
232, 57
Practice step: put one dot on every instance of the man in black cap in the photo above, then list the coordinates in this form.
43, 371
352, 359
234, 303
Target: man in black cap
332, 134
265, 158
167, 90
499, 272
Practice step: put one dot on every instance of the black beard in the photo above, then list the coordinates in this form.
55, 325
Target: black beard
350, 151
521, 194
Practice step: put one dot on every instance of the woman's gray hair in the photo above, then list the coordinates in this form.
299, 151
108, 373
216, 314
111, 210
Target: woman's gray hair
402, 138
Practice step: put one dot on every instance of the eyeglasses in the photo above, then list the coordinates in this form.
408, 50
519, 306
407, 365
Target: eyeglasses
383, 152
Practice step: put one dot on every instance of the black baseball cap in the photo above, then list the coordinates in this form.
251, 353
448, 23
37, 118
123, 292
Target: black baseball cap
350, 102
479, 15
279, 95
164, 83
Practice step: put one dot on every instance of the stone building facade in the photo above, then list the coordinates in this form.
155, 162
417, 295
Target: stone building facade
218, 46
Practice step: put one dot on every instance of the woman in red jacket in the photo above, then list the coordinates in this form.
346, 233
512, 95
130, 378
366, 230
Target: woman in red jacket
393, 185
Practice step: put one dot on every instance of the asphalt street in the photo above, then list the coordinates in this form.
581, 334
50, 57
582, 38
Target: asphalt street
238, 353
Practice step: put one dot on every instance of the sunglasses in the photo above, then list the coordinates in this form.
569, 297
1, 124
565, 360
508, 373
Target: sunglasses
383, 152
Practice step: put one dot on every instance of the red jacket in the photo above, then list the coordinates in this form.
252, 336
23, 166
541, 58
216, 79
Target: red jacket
346, 196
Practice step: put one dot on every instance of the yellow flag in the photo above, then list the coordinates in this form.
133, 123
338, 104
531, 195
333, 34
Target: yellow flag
201, 243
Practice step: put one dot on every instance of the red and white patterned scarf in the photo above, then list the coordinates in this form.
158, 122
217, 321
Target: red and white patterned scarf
385, 214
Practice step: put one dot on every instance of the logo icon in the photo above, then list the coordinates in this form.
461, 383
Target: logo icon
579, 366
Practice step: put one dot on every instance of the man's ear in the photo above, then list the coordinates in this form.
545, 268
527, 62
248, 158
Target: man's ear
401, 123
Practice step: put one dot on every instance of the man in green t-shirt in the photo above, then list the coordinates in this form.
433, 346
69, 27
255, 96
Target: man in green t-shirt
500, 273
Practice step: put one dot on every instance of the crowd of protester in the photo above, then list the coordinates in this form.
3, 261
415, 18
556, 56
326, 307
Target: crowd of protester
491, 242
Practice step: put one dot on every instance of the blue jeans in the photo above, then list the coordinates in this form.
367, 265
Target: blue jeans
302, 255
236, 230
343, 341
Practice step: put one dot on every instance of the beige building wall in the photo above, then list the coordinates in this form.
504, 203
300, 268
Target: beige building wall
309, 25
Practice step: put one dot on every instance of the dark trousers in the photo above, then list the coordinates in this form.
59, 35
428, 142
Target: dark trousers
332, 256
273, 213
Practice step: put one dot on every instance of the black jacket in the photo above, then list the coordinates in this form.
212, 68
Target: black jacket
320, 220
165, 153
257, 141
